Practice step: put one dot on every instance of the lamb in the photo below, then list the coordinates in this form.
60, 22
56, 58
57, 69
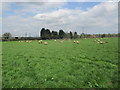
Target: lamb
98, 40
101, 42
30, 41
74, 41
40, 41
77, 42
45, 43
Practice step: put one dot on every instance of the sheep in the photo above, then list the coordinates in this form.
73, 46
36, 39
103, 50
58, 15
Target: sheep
40, 41
27, 41
45, 43
101, 42
77, 42
30, 41
74, 41
98, 40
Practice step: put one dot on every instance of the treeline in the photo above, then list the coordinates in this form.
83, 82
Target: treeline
47, 34
99, 35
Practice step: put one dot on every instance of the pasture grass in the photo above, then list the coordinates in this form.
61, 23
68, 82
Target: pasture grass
60, 65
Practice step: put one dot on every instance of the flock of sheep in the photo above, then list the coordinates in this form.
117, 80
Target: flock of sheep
61, 41
40, 42
98, 41
46, 43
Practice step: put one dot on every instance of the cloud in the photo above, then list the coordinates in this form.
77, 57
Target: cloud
53, 15
59, 0
32, 7
101, 18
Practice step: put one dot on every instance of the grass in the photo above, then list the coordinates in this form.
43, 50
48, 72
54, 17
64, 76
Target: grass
60, 65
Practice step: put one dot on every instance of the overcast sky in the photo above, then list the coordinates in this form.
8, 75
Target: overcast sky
29, 17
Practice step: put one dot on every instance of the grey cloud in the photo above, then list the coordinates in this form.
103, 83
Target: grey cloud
100, 19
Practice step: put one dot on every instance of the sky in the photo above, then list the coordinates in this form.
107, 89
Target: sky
20, 18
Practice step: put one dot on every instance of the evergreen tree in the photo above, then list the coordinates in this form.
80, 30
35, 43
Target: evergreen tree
47, 34
71, 35
42, 33
75, 35
61, 34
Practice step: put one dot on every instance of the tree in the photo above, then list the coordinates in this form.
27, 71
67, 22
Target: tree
55, 35
42, 33
75, 35
103, 35
61, 34
71, 35
118, 34
47, 34
7, 36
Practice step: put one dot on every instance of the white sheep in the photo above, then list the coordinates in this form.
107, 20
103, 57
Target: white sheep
101, 42
74, 41
77, 42
30, 41
98, 40
40, 41
45, 43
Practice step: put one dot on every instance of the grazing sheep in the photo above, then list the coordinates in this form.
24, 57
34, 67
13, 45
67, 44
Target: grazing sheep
40, 41
101, 42
77, 42
45, 43
98, 40
30, 41
74, 41
27, 41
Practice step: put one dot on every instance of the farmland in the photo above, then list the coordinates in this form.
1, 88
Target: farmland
60, 65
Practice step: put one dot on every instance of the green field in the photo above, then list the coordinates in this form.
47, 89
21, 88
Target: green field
60, 65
